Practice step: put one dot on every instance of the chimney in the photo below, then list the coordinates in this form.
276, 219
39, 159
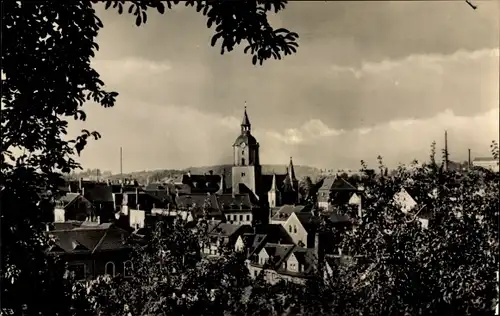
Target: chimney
136, 196
82, 191
317, 251
189, 173
211, 172
80, 184
47, 227
99, 220
138, 207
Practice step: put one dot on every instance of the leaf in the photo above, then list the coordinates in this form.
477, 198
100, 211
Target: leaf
160, 7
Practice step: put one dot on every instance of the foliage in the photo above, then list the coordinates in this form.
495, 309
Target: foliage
171, 277
307, 190
46, 80
448, 268
235, 22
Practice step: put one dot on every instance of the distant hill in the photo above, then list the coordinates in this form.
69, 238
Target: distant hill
165, 175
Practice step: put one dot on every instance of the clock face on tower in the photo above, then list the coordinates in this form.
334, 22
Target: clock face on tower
243, 145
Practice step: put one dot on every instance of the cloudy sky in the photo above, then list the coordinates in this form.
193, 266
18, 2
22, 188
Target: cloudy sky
369, 78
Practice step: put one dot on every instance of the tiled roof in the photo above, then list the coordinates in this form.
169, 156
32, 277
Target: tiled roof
89, 239
66, 199
196, 200
98, 192
226, 229
270, 233
487, 159
234, 202
285, 211
202, 183
341, 197
309, 221
336, 183
338, 218
267, 181
278, 253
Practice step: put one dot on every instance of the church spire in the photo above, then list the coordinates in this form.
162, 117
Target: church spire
245, 123
222, 184
291, 170
273, 185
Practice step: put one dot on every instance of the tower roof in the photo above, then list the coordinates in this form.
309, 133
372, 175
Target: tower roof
245, 121
291, 170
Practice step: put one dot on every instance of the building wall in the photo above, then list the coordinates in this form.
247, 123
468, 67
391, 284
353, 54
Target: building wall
137, 218
492, 164
405, 201
59, 215
239, 218
323, 198
273, 277
292, 264
246, 175
295, 229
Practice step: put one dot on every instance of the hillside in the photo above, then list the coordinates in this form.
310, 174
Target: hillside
173, 174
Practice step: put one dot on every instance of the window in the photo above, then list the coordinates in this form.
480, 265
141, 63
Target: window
289, 228
109, 269
229, 217
78, 270
254, 273
248, 218
294, 229
242, 174
242, 152
241, 218
128, 268
242, 161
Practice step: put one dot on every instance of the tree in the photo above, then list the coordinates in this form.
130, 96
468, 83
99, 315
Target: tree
171, 277
306, 188
408, 270
46, 81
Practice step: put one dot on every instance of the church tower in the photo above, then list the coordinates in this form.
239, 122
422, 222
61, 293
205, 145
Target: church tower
274, 195
246, 171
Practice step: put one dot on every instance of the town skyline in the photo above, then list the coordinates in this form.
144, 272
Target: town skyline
353, 91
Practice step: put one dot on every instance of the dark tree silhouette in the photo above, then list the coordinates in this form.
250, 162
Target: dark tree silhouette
46, 80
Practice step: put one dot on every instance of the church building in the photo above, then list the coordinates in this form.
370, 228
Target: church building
269, 190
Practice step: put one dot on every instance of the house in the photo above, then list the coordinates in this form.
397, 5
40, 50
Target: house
206, 183
73, 206
198, 205
282, 214
223, 235
334, 190
486, 163
284, 262
411, 202
302, 228
238, 208
92, 249
253, 242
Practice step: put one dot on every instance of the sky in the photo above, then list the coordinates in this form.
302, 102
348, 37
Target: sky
369, 79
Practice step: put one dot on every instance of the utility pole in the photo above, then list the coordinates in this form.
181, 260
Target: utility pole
121, 164
469, 161
446, 150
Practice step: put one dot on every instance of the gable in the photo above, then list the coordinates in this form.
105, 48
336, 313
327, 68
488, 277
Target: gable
78, 246
292, 259
404, 198
263, 253
294, 220
355, 199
